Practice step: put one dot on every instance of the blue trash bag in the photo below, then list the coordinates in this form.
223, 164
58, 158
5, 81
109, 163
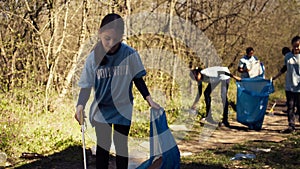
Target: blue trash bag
252, 101
162, 142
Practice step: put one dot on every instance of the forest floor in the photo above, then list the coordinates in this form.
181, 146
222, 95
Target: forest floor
221, 138
272, 128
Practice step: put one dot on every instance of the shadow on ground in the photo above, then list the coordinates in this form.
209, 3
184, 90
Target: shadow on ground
66, 159
267, 154
72, 158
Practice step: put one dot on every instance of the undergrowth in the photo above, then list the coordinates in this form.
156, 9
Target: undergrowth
31, 123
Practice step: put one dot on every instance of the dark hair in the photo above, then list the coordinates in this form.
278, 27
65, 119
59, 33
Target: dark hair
285, 50
113, 21
248, 50
295, 39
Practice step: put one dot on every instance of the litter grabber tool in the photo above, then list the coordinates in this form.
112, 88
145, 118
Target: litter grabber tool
82, 122
271, 112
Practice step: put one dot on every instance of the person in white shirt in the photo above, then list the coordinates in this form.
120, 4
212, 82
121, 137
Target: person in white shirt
213, 76
292, 83
249, 66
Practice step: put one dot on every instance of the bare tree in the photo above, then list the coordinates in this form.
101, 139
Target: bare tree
75, 60
42, 41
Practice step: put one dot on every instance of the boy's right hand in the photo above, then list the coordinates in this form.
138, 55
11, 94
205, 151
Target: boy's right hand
79, 115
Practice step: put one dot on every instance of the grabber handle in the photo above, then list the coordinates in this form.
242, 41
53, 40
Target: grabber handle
81, 118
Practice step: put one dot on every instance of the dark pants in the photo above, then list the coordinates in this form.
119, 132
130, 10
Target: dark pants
293, 100
120, 138
207, 98
199, 92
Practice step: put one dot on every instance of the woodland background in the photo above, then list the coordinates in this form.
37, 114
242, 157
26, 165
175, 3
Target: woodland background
41, 42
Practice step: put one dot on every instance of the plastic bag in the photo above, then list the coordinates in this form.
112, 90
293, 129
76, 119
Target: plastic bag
164, 152
252, 101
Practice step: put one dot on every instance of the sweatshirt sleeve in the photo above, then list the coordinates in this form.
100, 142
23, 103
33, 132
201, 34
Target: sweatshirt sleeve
141, 86
283, 69
84, 96
87, 76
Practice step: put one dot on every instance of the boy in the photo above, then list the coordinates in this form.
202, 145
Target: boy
213, 76
249, 66
292, 62
284, 51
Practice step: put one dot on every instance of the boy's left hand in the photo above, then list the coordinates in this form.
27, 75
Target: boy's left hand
152, 103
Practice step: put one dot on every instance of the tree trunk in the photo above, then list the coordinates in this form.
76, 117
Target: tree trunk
175, 50
56, 55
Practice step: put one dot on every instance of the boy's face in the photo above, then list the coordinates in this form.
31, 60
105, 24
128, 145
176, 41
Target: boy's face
110, 40
296, 47
251, 53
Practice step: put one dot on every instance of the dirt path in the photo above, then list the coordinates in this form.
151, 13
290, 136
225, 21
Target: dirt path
238, 133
